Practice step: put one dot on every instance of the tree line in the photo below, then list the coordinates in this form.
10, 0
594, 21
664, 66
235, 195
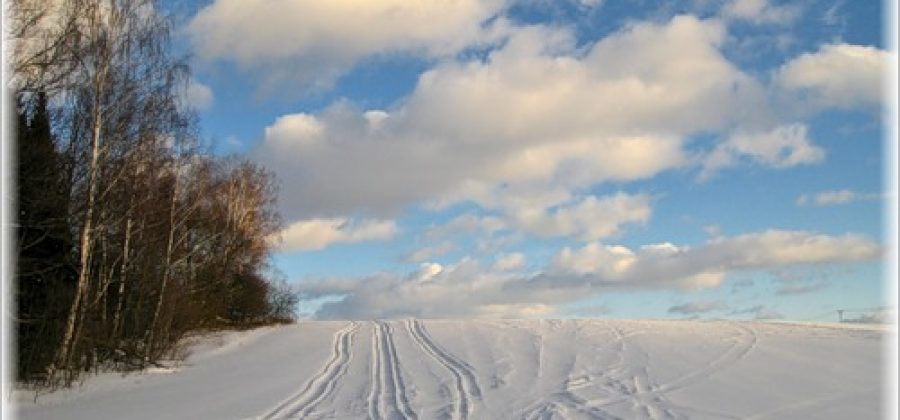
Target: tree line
128, 236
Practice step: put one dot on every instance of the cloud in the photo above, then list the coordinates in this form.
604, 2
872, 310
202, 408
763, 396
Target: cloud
535, 121
588, 219
761, 12
781, 147
429, 252
698, 307
468, 289
668, 265
594, 258
712, 229
591, 3
466, 224
316, 234
834, 197
837, 75
199, 96
517, 311
311, 43
759, 312
832, 16
464, 289
509, 262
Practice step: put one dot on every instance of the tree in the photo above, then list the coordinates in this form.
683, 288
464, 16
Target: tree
125, 89
130, 237
44, 272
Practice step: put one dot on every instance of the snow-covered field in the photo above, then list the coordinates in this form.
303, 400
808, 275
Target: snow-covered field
547, 369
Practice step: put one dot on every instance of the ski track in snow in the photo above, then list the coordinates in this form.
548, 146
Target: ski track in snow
577, 369
387, 398
466, 384
322, 385
649, 400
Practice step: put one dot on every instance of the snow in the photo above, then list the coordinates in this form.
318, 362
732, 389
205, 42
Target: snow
498, 369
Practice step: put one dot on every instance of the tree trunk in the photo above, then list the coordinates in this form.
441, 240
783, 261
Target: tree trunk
77, 308
120, 298
151, 332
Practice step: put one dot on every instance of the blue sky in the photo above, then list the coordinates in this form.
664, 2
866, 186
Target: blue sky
573, 158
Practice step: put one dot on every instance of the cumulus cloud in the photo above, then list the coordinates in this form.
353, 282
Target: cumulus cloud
837, 75
781, 147
594, 258
534, 122
313, 42
834, 197
464, 289
468, 289
668, 265
698, 307
761, 11
316, 234
588, 219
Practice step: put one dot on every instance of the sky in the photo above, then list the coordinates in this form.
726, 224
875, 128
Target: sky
559, 159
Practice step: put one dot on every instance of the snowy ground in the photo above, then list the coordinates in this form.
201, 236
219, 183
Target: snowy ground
501, 369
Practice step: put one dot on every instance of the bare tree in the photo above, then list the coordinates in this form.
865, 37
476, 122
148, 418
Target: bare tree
160, 239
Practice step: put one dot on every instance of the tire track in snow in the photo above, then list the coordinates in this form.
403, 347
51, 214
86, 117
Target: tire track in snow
387, 397
323, 384
465, 383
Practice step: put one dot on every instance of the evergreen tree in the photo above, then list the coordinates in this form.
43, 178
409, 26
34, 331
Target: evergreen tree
44, 273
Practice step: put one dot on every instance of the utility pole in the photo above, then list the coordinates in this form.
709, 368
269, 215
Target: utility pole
840, 315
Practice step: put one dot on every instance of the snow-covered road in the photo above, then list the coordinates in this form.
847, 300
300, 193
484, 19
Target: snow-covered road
434, 369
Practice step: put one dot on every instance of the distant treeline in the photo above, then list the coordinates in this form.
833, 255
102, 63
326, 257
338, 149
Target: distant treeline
128, 236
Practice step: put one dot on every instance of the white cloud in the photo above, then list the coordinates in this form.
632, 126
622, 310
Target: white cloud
466, 224
199, 96
837, 75
427, 271
466, 289
538, 119
313, 42
591, 3
509, 262
315, 234
588, 219
761, 12
429, 252
517, 311
834, 197
594, 258
781, 147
